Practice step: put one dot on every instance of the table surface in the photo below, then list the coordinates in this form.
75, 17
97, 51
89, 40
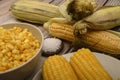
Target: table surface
6, 16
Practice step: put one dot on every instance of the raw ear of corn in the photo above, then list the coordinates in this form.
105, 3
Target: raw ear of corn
34, 11
105, 18
103, 41
87, 67
57, 68
59, 28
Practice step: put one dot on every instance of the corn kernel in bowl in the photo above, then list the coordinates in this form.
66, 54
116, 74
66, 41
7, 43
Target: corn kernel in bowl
17, 45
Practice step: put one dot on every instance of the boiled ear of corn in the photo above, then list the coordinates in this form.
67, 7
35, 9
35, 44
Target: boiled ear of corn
57, 68
34, 11
87, 67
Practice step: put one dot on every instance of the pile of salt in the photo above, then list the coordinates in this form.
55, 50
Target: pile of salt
51, 46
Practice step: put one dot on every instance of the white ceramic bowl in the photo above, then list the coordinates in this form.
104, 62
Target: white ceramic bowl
24, 70
38, 75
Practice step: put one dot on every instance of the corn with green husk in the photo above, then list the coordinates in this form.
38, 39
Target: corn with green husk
57, 68
77, 9
107, 41
105, 18
87, 67
34, 11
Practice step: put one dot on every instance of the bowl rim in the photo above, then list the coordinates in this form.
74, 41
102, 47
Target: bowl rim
37, 74
38, 52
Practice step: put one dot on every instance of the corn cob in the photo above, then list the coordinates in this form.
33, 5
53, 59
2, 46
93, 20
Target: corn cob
60, 29
87, 67
34, 11
57, 68
105, 41
103, 19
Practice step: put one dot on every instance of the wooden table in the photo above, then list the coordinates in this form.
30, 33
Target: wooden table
6, 16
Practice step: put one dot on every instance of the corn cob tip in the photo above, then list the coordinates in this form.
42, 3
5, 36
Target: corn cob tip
46, 26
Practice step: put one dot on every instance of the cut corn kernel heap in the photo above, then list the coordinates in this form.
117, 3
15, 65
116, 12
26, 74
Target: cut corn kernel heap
17, 46
87, 67
57, 68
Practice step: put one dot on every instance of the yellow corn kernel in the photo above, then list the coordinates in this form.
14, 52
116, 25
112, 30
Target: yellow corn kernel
15, 51
57, 68
10, 46
87, 67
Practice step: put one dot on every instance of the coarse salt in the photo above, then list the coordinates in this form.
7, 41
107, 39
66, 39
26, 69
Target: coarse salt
51, 44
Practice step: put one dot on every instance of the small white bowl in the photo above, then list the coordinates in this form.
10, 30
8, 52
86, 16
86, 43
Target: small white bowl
24, 70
